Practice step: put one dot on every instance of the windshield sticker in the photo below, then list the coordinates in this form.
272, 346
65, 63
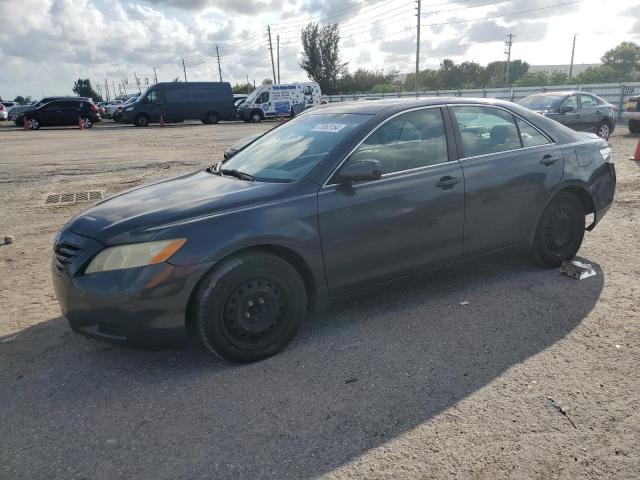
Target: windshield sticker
328, 127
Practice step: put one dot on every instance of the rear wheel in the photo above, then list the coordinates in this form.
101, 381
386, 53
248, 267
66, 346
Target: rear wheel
142, 120
211, 118
560, 231
249, 308
604, 130
634, 126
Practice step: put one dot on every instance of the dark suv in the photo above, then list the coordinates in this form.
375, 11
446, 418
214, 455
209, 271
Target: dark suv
577, 110
61, 112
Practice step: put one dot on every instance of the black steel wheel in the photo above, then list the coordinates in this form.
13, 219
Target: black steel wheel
142, 120
248, 308
634, 126
560, 231
212, 118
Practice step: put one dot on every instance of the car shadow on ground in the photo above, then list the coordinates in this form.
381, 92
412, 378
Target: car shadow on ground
358, 375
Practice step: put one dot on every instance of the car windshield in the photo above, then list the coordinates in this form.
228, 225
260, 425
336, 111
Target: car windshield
252, 96
542, 102
239, 102
291, 151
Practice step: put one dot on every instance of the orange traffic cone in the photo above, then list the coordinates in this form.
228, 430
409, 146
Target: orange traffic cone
80, 125
161, 120
636, 156
25, 124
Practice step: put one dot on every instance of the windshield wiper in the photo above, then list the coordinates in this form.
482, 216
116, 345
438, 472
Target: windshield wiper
236, 173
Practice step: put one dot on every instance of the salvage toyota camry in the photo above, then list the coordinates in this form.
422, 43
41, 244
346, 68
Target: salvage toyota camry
340, 198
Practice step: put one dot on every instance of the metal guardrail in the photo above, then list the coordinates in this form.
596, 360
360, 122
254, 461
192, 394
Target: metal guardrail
614, 93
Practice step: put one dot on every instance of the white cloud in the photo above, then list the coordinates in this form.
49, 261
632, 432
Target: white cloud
47, 44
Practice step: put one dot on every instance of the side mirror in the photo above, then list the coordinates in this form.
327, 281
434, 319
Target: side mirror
360, 171
566, 108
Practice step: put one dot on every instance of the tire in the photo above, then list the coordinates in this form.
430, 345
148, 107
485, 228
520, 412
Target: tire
560, 231
634, 126
604, 130
142, 120
249, 308
256, 117
212, 118
33, 123
86, 122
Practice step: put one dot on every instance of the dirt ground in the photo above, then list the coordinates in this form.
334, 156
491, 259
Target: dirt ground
537, 377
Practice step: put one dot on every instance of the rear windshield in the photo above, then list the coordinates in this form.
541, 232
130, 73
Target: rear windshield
291, 151
542, 102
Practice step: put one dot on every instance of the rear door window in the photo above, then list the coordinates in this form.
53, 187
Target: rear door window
588, 101
486, 130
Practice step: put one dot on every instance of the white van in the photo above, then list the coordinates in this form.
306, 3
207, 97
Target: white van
272, 101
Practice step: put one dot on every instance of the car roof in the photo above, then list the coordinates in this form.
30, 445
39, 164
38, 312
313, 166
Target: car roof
391, 104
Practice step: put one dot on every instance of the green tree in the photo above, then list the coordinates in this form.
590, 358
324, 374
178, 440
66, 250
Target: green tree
267, 81
558, 78
624, 58
321, 57
20, 99
533, 79
599, 74
82, 87
242, 88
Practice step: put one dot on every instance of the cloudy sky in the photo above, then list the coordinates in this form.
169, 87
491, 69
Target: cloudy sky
46, 44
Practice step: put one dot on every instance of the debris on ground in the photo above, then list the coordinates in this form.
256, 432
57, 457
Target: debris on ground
464, 303
8, 239
562, 410
576, 269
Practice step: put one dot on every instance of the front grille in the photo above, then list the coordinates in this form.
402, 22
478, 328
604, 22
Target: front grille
64, 255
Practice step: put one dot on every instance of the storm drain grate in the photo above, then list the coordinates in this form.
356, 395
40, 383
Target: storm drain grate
55, 199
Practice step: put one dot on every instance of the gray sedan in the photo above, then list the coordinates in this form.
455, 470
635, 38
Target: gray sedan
341, 198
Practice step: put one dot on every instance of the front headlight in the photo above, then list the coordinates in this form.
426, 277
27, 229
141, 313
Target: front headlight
134, 255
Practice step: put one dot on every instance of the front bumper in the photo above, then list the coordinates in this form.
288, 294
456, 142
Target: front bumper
144, 306
631, 115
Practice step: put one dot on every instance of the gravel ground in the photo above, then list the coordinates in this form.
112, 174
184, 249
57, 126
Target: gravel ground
402, 382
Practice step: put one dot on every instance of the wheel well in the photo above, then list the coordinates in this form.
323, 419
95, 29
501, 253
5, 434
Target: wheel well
585, 199
213, 111
286, 254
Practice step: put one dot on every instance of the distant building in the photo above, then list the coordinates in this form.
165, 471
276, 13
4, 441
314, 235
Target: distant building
577, 68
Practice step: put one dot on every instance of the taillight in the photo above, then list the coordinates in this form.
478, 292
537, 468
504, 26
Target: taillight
1, 107
92, 106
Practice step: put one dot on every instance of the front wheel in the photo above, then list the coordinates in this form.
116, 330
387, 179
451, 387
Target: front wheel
604, 130
142, 121
634, 126
256, 117
560, 231
249, 308
33, 124
86, 122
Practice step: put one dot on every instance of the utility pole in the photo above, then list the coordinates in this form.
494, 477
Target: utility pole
184, 69
106, 87
507, 51
113, 84
418, 48
155, 74
273, 67
278, 55
219, 69
573, 52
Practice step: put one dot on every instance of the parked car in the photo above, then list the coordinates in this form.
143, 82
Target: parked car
69, 111
577, 110
343, 197
112, 107
240, 144
179, 101
16, 111
4, 112
632, 113
272, 101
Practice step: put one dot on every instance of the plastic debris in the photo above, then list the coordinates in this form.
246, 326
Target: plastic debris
576, 269
8, 239
464, 303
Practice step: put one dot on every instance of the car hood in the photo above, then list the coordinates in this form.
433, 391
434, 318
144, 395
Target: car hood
143, 210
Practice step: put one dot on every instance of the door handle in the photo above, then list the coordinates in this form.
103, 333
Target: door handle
549, 159
447, 182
